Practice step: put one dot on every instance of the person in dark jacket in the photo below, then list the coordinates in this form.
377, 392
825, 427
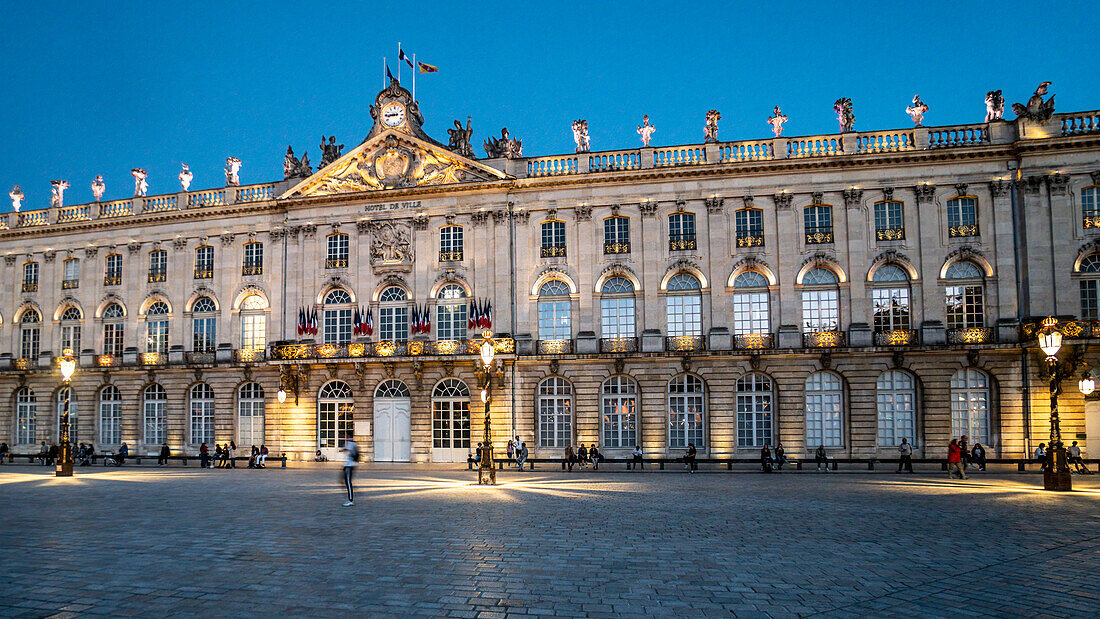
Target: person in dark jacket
570, 457
256, 454
164, 454
123, 453
4, 451
821, 458
51, 458
204, 456
780, 459
766, 459
595, 456
977, 456
582, 456
689, 458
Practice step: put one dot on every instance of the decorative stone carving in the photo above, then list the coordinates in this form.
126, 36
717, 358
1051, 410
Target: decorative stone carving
960, 189
887, 193
646, 130
179, 244
826, 360
460, 139
49, 256
9, 260
580, 135
716, 205
185, 177
331, 151
57, 193
681, 205
1033, 184
141, 185
1058, 184
521, 217
134, 247
418, 369
583, 212
994, 106
309, 230
478, 218
615, 209
227, 239
17, 196
817, 197
232, 167
391, 243
845, 114
776, 120
552, 213
294, 167
853, 197
504, 146
420, 222
1094, 175
98, 187
448, 368
925, 192
1036, 110
90, 251
620, 365
972, 356
916, 111
500, 216
710, 129
783, 200
754, 360
390, 368
554, 366
450, 217
897, 359
648, 208
276, 234
965, 252
999, 188
362, 226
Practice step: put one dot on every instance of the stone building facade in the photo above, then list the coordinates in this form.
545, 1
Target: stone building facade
842, 290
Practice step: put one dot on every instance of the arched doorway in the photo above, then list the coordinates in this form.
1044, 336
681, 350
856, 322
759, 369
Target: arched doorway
392, 422
335, 411
450, 421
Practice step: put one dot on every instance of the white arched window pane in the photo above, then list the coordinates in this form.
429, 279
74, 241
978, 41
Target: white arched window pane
204, 325
964, 302
337, 325
618, 400
393, 314
554, 311
450, 313
750, 307
30, 334
155, 405
686, 414
202, 414
110, 416
824, 411
451, 415
392, 389
970, 405
897, 401
754, 411
26, 417
71, 329
335, 409
338, 296
250, 414
74, 416
617, 308
555, 412
684, 311
113, 329
156, 328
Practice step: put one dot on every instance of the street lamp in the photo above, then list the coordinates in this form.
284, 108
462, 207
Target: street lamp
486, 474
1056, 475
67, 364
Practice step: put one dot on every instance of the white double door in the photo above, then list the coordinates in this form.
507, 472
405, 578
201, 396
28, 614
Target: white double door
392, 429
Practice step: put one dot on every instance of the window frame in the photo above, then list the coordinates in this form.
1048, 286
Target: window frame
817, 221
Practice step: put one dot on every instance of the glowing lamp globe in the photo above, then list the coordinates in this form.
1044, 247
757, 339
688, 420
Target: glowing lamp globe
281, 395
1051, 342
1087, 385
484, 395
67, 363
487, 353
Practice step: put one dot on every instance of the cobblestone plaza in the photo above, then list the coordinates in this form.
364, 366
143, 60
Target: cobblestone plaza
424, 541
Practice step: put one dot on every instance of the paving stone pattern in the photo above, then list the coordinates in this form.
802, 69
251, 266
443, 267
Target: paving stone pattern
422, 541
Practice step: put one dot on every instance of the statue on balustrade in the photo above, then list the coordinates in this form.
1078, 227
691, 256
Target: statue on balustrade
57, 193
460, 139
844, 114
503, 146
140, 184
776, 120
994, 105
1036, 109
16, 195
232, 166
330, 152
646, 130
185, 177
580, 135
710, 129
98, 187
295, 168
917, 111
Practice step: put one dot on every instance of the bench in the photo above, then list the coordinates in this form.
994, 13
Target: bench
833, 462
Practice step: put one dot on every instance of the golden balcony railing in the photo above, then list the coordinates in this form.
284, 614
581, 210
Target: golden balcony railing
200, 356
890, 234
336, 263
553, 251
971, 335
685, 343
896, 337
204, 272
964, 230
1073, 329
822, 339
30, 287
252, 269
112, 280
153, 358
821, 236
1091, 221
753, 341
21, 364
555, 347
616, 248
618, 344
450, 256
385, 348
69, 284
156, 277
107, 361
682, 243
750, 239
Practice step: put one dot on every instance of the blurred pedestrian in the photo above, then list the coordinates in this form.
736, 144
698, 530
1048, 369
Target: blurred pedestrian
954, 460
905, 450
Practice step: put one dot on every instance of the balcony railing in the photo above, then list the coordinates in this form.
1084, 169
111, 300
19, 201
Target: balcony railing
153, 358
386, 348
972, 335
1073, 329
618, 344
822, 339
964, 230
616, 248
200, 356
30, 286
750, 239
1091, 221
555, 347
21, 364
554, 251
156, 277
112, 280
69, 284
450, 256
252, 269
753, 341
890, 234
682, 243
107, 361
204, 272
685, 343
819, 236
896, 337
336, 263
249, 355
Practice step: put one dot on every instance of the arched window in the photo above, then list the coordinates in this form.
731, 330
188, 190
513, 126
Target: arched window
618, 404
965, 296
204, 319
684, 305
392, 389
253, 323
337, 314
824, 411
451, 415
750, 227
30, 334
962, 216
393, 309
26, 416
686, 412
337, 256
158, 266
204, 262
970, 405
450, 244
681, 231
890, 299
889, 224
450, 313
112, 270
617, 308
897, 408
110, 416
71, 320
67, 393
555, 322
250, 414
1090, 207
70, 273
750, 304
335, 409
253, 259
754, 411
202, 414
553, 238
114, 318
820, 301
155, 408
156, 328
616, 235
818, 219
30, 277
555, 412
1089, 283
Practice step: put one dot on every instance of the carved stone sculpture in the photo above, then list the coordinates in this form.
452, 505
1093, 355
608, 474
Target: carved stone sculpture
391, 243
916, 111
16, 195
232, 166
185, 177
140, 184
844, 114
580, 135
295, 168
330, 152
1036, 109
460, 139
98, 187
504, 146
994, 105
710, 129
57, 193
776, 120
646, 130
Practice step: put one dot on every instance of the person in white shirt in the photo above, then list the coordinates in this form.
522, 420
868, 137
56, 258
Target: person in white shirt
351, 460
1041, 456
905, 450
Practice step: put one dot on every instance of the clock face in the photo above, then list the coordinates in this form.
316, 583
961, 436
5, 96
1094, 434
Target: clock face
393, 114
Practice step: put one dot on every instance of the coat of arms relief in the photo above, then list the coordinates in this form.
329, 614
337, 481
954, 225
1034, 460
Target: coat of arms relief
391, 245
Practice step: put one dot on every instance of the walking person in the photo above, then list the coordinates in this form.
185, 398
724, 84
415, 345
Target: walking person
977, 457
351, 460
636, 458
905, 450
204, 456
821, 458
232, 453
954, 460
766, 458
964, 447
162, 459
689, 458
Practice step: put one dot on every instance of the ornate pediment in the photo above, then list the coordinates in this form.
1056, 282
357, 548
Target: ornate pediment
393, 160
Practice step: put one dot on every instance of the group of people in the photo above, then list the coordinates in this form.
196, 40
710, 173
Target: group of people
960, 456
583, 457
223, 456
517, 450
770, 461
1073, 458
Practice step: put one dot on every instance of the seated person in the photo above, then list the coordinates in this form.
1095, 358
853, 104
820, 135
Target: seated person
1073, 455
123, 453
1041, 455
318, 457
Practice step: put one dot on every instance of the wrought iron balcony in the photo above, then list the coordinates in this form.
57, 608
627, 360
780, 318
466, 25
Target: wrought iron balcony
1091, 221
555, 347
1073, 329
685, 343
890, 234
823, 339
964, 230
618, 344
21, 364
336, 263
200, 356
249, 355
450, 256
252, 269
896, 337
553, 251
753, 341
616, 248
682, 242
112, 280
69, 284
971, 335
750, 239
204, 272
819, 236
384, 348
107, 361
153, 358
157, 277
30, 287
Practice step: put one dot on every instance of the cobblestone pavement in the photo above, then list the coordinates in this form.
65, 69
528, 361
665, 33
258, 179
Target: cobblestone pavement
423, 541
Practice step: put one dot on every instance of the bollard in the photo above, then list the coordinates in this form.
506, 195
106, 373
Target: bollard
1020, 467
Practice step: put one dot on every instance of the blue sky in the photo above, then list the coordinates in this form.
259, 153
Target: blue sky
100, 88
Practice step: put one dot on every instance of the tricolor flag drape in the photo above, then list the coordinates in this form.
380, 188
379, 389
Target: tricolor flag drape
368, 328
301, 321
420, 320
401, 55
479, 315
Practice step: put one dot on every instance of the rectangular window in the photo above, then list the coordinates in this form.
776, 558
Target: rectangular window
395, 323
112, 275
681, 231
754, 419
253, 331
112, 338
70, 338
450, 244
962, 217
450, 322
555, 421
156, 423
888, 221
30, 277
750, 227
818, 219
204, 334
965, 307
619, 422
617, 317
616, 235
685, 420
156, 336
71, 276
337, 255
554, 320
750, 313
202, 421
110, 422
30, 342
158, 266
338, 326
685, 314
553, 239
204, 262
1090, 207
823, 412
891, 309
253, 259
820, 311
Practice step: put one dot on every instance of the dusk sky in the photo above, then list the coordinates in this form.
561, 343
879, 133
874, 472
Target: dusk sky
90, 90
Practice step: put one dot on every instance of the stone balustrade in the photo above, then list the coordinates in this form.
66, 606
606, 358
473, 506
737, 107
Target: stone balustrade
1080, 123
885, 141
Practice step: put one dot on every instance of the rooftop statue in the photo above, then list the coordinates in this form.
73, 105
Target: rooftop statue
295, 168
1036, 109
16, 195
917, 111
185, 177
580, 135
994, 105
232, 166
57, 193
503, 146
98, 187
710, 129
140, 184
646, 130
330, 152
776, 120
460, 139
844, 114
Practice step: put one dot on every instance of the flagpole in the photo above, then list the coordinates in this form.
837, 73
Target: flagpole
399, 61
383, 72
414, 77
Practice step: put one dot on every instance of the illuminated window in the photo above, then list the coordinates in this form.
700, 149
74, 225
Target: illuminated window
393, 312
965, 296
451, 415
335, 409
890, 299
820, 301
686, 407
113, 328
250, 414
26, 416
202, 414
897, 401
253, 323
970, 405
155, 406
750, 304
1089, 284
684, 305
30, 334
617, 308
824, 411
71, 320
1090, 207
205, 324
156, 328
450, 313
110, 416
554, 310
337, 314
555, 412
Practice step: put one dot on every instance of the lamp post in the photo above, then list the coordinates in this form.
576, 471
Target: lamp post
67, 363
486, 473
1056, 475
